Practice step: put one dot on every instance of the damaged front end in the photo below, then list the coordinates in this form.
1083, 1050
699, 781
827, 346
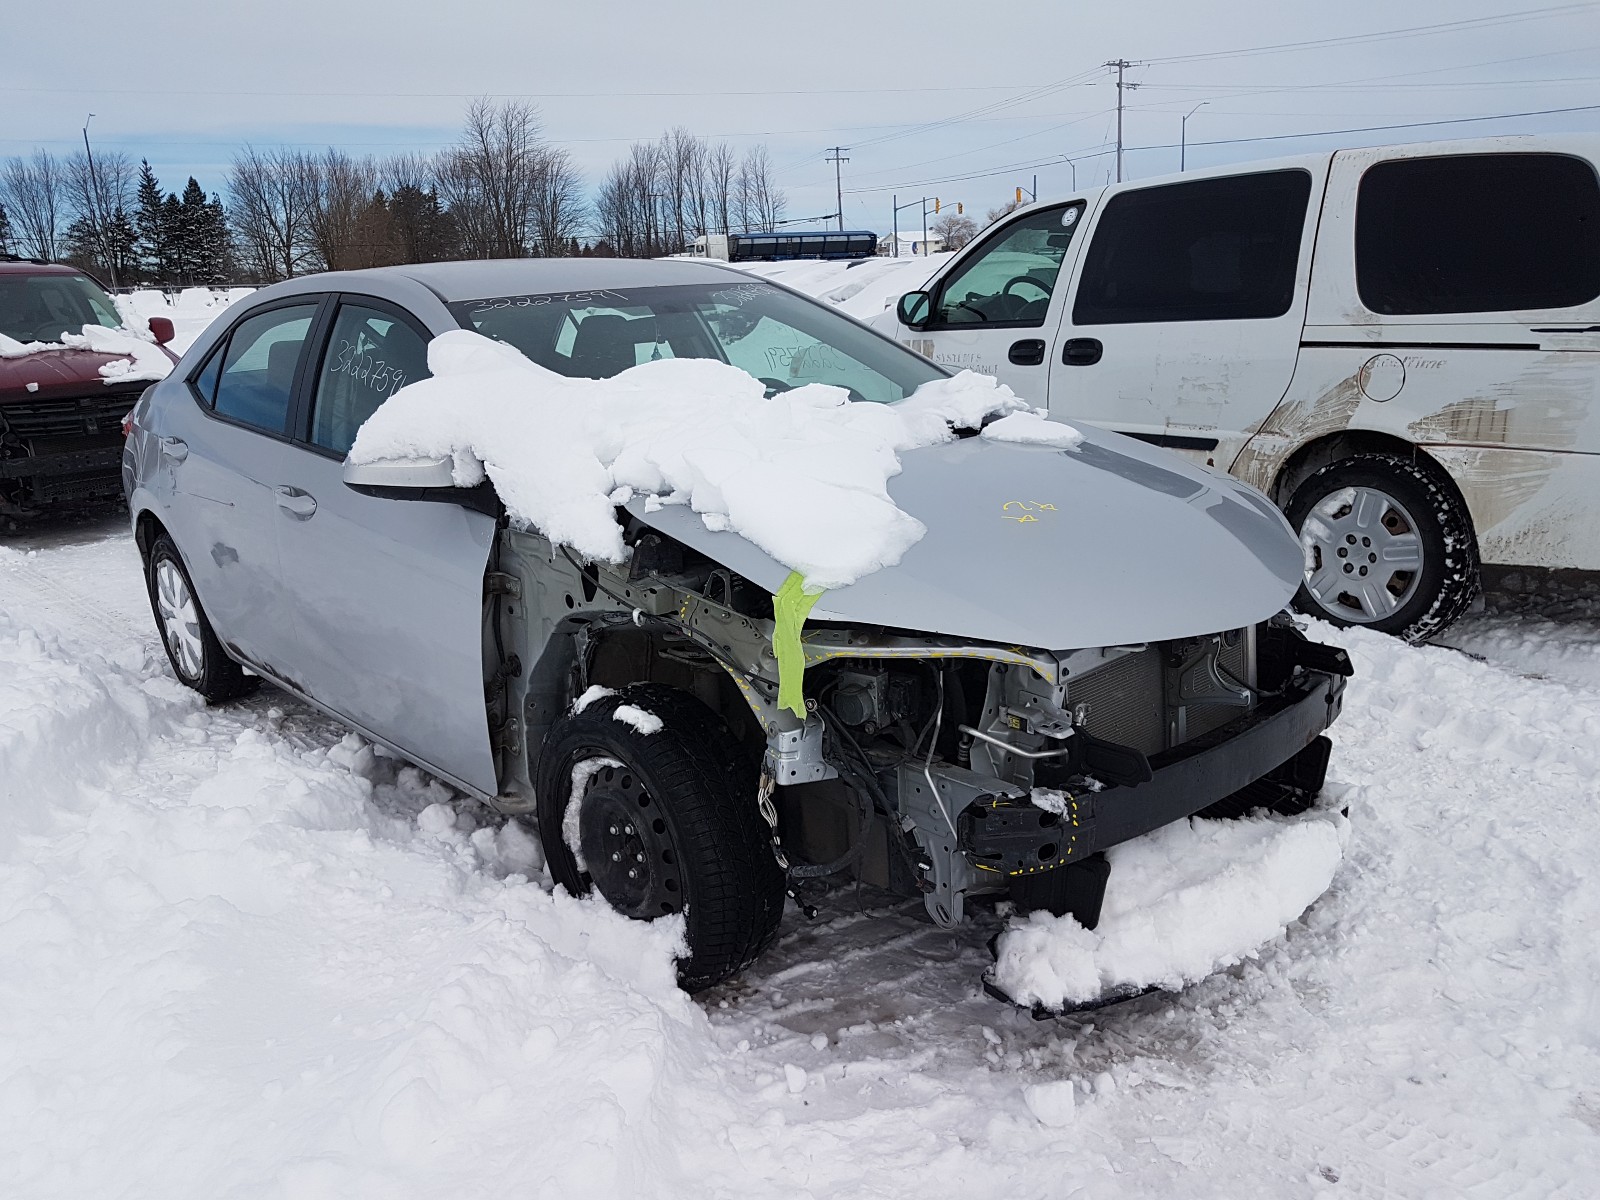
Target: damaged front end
932, 765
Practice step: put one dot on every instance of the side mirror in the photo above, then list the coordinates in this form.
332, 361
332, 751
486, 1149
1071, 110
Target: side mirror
161, 329
400, 474
915, 309
419, 479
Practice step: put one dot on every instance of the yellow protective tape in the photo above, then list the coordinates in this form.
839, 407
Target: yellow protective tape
791, 605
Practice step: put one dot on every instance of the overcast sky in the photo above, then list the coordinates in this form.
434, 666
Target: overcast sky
923, 94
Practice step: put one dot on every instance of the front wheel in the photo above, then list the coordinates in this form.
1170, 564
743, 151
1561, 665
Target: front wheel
644, 797
1388, 544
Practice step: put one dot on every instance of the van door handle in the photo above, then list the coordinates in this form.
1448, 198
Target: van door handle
295, 502
1029, 352
1081, 352
174, 448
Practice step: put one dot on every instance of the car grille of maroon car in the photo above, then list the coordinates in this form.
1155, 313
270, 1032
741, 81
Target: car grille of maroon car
56, 426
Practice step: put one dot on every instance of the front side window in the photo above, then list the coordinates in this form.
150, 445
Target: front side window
783, 340
371, 355
1008, 280
1209, 250
256, 382
1478, 233
40, 308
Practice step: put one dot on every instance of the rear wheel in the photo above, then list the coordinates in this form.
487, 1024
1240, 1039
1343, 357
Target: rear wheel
1389, 546
662, 822
197, 657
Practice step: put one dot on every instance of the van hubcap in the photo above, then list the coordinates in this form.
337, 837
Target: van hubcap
1363, 554
180, 617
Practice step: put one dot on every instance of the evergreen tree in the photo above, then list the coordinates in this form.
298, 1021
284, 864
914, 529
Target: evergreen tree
155, 234
216, 244
5, 231
177, 251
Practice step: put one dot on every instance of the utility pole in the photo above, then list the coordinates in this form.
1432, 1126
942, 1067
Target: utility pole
1121, 64
836, 158
98, 207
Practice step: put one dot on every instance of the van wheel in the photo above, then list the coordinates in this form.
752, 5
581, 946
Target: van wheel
662, 822
1389, 546
197, 657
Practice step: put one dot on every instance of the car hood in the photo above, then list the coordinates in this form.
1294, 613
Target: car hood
58, 373
1109, 543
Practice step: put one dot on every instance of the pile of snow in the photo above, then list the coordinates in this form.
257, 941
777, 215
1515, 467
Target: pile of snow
1182, 902
803, 475
190, 310
862, 289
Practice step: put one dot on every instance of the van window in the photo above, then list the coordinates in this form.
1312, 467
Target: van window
1211, 250
1478, 233
1007, 281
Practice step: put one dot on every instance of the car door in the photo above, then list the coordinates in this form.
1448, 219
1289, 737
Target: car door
218, 457
1187, 307
995, 309
388, 594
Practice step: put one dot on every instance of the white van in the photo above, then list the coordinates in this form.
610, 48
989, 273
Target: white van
1401, 346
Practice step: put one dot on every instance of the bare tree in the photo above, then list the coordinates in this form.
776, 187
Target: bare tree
633, 203
558, 208
954, 231
722, 168
33, 193
492, 177
273, 193
760, 203
100, 192
338, 223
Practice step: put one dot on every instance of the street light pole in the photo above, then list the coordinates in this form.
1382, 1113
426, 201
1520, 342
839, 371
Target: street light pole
98, 207
1183, 133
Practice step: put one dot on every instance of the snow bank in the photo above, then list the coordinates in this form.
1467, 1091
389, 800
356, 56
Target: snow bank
245, 962
190, 311
1182, 902
863, 288
803, 475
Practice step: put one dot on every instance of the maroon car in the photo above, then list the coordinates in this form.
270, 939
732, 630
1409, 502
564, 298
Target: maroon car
60, 421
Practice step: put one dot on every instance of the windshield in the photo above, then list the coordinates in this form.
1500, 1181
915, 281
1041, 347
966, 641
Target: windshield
40, 308
783, 340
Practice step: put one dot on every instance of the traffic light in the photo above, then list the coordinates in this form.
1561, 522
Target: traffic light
936, 206
960, 208
1019, 193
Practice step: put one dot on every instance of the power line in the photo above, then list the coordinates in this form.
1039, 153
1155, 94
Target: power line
1283, 137
1385, 35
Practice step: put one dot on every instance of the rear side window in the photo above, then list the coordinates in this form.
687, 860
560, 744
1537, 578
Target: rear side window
1210, 250
1478, 233
371, 355
258, 367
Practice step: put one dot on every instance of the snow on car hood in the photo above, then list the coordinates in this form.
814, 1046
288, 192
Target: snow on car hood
1033, 533
1108, 543
96, 355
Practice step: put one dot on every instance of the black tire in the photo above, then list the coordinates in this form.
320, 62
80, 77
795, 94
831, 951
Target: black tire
1421, 501
206, 666
707, 852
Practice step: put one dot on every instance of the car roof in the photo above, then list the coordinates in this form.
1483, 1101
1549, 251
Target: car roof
477, 279
29, 266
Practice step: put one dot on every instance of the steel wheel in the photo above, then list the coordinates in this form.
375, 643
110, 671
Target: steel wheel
627, 845
1364, 556
180, 618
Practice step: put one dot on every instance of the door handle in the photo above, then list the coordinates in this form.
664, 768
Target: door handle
1029, 352
1081, 352
174, 448
295, 502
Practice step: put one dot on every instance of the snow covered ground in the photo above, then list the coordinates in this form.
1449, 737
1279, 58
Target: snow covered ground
246, 956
